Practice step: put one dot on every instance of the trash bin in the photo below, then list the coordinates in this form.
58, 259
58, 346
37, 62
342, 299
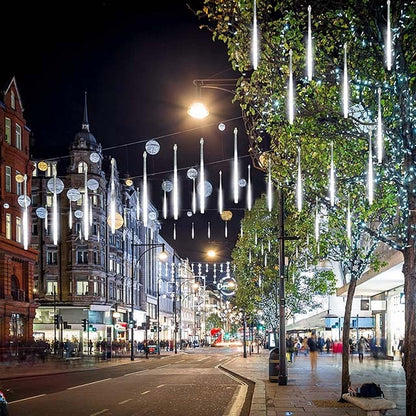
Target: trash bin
274, 365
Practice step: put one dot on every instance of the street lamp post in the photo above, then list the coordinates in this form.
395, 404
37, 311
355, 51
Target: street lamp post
150, 246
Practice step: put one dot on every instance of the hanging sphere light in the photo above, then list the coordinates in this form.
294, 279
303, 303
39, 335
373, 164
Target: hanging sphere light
152, 147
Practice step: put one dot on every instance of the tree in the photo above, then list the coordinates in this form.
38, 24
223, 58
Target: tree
256, 263
350, 42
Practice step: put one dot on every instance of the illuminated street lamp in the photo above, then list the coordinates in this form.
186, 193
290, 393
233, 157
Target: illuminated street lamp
162, 257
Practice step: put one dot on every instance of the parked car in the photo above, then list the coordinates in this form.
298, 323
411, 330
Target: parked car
3, 405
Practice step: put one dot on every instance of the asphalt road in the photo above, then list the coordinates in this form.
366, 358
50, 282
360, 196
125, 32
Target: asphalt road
183, 384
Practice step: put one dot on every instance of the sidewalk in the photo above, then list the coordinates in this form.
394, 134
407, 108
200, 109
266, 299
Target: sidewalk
317, 393
306, 393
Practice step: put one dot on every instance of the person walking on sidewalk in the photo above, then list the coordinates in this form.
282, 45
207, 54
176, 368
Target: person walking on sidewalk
362, 346
313, 350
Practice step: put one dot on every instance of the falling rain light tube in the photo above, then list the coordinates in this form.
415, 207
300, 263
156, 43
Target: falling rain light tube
345, 93
145, 196
46, 219
137, 204
332, 178
202, 179
54, 208
309, 59
225, 229
299, 184
235, 168
175, 183
165, 204
25, 215
174, 231
254, 39
70, 215
388, 39
249, 190
209, 230
112, 199
348, 220
269, 188
370, 182
193, 231
85, 217
379, 130
220, 196
193, 196
317, 221
291, 92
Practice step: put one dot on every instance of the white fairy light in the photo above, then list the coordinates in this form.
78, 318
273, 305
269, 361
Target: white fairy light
145, 196
370, 178
309, 58
379, 130
254, 39
175, 183
174, 231
235, 169
70, 215
220, 196
225, 229
193, 231
209, 230
317, 220
269, 189
291, 92
249, 190
299, 184
202, 179
345, 84
388, 39
332, 178
85, 217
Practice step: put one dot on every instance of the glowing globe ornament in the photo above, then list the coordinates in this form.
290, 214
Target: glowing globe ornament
152, 147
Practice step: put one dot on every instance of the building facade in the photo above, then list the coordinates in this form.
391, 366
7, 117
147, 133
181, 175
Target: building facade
17, 259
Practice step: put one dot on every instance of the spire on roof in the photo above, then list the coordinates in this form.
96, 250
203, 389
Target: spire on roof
85, 124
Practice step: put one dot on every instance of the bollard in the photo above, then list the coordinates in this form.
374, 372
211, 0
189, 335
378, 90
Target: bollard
274, 365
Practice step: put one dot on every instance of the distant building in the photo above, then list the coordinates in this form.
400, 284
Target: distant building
17, 259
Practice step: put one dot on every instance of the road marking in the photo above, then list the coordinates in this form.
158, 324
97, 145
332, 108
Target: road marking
135, 373
145, 392
125, 401
180, 361
205, 358
27, 398
88, 384
160, 385
166, 365
100, 412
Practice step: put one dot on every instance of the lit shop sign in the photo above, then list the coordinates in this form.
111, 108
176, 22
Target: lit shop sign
121, 326
227, 286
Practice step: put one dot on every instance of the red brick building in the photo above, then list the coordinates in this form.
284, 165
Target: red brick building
17, 259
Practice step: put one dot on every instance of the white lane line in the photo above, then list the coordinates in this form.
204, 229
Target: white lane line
205, 358
180, 361
145, 392
88, 384
27, 398
166, 365
160, 385
100, 412
125, 401
134, 373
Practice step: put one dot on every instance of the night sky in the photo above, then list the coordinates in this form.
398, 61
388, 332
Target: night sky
136, 61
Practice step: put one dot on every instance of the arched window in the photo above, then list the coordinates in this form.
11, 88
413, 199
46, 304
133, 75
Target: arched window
15, 287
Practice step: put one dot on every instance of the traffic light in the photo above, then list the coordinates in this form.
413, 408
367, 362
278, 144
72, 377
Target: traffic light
132, 323
84, 324
176, 326
57, 320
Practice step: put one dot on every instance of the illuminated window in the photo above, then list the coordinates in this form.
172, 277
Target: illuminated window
12, 100
18, 136
18, 229
8, 173
51, 287
8, 131
82, 167
9, 226
82, 288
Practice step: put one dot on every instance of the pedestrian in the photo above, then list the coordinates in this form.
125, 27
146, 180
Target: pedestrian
313, 350
362, 346
305, 347
327, 345
290, 349
90, 347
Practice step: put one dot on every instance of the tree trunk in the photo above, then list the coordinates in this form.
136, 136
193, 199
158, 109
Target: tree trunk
345, 381
409, 358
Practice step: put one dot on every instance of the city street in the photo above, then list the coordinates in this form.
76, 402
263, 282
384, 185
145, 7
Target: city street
172, 384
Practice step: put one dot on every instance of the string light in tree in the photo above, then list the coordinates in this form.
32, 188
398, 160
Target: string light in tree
309, 52
269, 188
291, 92
332, 177
388, 46
379, 130
249, 190
254, 39
370, 175
299, 184
345, 87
